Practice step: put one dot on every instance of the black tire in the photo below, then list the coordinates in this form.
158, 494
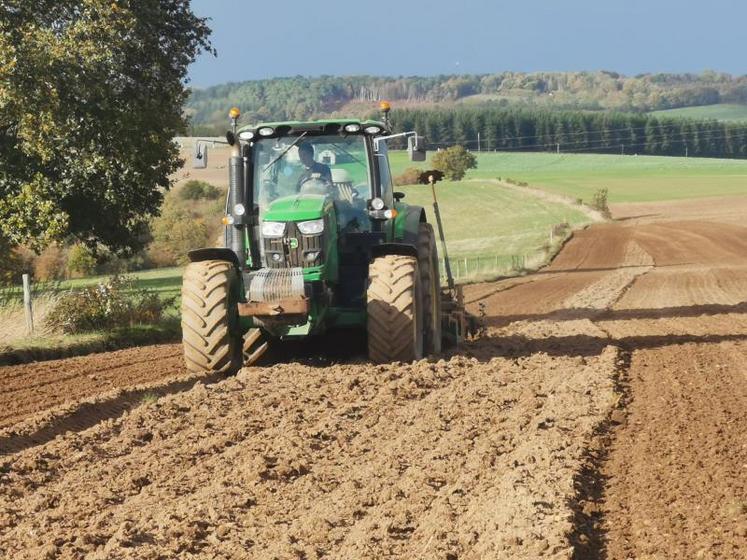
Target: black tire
210, 335
431, 289
395, 319
255, 346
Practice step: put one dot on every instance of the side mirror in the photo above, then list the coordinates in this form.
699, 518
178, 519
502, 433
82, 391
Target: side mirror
398, 195
416, 148
200, 156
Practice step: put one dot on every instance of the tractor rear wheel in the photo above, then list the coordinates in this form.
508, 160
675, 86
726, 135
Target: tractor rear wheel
210, 329
431, 287
395, 318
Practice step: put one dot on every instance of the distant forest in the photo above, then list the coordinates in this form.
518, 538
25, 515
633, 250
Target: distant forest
529, 129
302, 97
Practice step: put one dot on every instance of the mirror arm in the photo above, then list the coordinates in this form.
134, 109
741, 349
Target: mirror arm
382, 138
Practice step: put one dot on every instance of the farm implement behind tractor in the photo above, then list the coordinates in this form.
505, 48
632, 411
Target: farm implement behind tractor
317, 239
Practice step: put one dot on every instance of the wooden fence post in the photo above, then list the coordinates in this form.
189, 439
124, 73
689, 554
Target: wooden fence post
27, 304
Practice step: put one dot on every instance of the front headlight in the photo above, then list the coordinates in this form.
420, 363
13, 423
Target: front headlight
312, 227
273, 229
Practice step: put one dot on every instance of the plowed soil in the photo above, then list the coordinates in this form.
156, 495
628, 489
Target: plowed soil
31, 388
601, 413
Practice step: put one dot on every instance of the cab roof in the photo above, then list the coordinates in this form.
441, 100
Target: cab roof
313, 127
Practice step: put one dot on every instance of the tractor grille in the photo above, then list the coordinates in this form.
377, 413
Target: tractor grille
292, 253
272, 285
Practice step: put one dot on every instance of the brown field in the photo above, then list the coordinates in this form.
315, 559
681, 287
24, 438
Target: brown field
601, 414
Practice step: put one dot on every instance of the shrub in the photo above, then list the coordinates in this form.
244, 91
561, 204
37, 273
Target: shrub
409, 176
15, 261
51, 264
454, 162
80, 261
116, 302
175, 232
599, 202
196, 190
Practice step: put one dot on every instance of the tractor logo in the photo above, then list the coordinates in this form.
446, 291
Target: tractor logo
292, 242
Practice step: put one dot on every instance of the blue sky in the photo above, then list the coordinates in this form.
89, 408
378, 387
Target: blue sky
270, 38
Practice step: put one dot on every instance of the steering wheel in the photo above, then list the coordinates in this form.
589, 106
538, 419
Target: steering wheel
314, 185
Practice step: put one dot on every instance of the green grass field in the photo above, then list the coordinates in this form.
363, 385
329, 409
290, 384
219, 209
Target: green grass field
166, 282
628, 178
488, 220
721, 112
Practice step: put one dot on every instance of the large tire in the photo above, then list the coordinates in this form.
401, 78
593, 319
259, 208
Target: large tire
210, 330
255, 346
431, 288
395, 319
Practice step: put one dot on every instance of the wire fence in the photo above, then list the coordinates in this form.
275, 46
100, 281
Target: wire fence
469, 268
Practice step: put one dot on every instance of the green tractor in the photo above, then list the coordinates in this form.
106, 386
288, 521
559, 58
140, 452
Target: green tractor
316, 239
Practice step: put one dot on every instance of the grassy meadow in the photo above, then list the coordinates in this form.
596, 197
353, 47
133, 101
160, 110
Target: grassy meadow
486, 219
720, 112
628, 178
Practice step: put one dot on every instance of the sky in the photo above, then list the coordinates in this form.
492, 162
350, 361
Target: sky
271, 38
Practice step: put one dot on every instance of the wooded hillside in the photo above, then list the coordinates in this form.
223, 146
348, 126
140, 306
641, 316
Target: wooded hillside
303, 97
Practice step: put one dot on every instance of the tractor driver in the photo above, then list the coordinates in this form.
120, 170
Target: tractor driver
312, 169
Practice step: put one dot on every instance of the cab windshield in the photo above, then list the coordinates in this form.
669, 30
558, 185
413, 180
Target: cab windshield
334, 166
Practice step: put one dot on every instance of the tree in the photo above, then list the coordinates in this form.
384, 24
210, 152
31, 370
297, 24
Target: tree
91, 95
454, 162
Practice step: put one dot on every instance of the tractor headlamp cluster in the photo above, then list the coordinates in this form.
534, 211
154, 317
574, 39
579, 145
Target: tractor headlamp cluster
352, 127
273, 229
379, 211
373, 129
266, 131
311, 227
246, 135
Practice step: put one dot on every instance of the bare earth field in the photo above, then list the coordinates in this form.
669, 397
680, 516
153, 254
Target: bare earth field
601, 413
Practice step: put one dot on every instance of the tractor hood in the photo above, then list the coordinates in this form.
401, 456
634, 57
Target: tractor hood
298, 208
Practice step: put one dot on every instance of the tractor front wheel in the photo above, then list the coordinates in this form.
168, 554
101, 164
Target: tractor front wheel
210, 329
395, 317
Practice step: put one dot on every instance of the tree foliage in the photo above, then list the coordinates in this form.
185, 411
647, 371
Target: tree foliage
454, 162
12, 264
91, 95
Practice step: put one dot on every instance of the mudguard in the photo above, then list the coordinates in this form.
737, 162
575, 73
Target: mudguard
404, 249
407, 227
213, 254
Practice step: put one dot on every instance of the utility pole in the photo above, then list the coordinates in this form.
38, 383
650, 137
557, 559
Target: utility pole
622, 151
685, 150
558, 147
478, 142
